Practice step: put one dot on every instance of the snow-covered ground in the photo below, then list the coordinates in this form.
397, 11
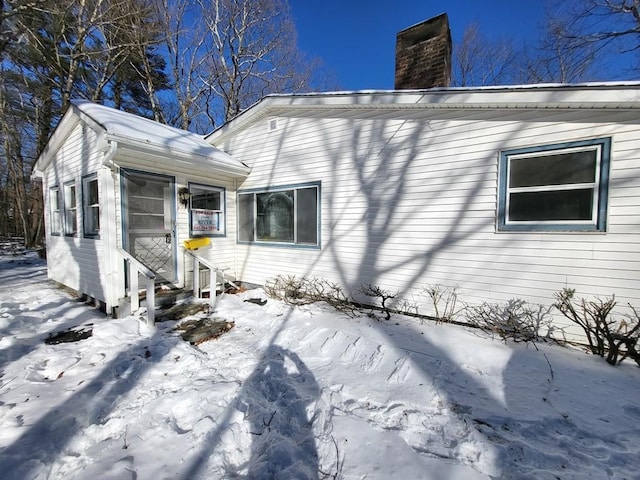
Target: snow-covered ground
297, 393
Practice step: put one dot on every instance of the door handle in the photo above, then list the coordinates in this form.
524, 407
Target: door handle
167, 238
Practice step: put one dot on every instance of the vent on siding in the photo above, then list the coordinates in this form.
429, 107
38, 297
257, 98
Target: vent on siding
272, 124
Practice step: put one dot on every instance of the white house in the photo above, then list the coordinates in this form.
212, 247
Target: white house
112, 183
505, 192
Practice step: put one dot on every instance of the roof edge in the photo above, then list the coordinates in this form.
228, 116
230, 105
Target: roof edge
438, 97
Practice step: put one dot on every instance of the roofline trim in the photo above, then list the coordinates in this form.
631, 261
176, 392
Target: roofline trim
556, 96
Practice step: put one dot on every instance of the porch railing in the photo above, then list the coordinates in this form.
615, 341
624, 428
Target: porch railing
213, 276
136, 267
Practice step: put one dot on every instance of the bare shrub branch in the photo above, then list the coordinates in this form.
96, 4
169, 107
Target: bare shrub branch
444, 300
516, 320
605, 335
375, 291
304, 291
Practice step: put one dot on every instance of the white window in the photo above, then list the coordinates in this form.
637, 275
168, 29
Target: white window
284, 215
90, 206
55, 211
207, 215
555, 187
70, 210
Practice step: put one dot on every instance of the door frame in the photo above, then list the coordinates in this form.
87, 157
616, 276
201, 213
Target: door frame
124, 207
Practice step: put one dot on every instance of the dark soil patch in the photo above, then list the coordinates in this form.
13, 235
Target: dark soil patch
73, 334
257, 301
180, 311
198, 331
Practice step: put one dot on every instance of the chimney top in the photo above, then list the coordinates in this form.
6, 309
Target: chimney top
423, 55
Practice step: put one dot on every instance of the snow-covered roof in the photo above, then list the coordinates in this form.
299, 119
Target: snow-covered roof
128, 131
370, 103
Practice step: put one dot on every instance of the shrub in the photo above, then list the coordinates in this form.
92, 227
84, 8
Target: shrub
444, 300
516, 320
606, 336
375, 291
303, 291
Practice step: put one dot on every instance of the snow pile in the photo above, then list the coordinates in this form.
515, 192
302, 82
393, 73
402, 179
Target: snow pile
297, 393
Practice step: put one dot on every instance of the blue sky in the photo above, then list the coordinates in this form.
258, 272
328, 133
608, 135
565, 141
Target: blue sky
356, 38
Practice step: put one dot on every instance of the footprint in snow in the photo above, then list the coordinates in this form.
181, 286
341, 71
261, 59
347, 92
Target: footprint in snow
401, 371
374, 361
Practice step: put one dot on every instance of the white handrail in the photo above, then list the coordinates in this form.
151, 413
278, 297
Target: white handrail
197, 260
135, 267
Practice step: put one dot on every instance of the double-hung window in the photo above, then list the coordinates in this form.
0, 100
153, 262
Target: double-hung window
283, 215
555, 187
207, 210
70, 209
90, 206
55, 211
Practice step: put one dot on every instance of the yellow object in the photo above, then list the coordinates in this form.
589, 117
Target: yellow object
196, 243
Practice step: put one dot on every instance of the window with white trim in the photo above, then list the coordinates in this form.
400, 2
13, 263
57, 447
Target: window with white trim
90, 206
70, 209
555, 187
282, 215
207, 217
55, 211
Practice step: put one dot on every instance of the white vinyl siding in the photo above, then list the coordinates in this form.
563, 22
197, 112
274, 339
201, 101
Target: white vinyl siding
223, 247
412, 203
80, 262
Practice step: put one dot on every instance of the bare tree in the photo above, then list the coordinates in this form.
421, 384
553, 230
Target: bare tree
478, 60
217, 57
66, 49
224, 55
556, 58
604, 27
252, 51
184, 39
11, 29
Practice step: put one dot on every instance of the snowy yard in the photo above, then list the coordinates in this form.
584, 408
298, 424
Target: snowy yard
297, 393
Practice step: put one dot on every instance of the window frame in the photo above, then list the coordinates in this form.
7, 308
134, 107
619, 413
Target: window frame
600, 187
94, 233
222, 231
274, 189
70, 206
55, 214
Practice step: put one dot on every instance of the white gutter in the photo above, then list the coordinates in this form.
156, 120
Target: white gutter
108, 184
613, 96
175, 156
109, 154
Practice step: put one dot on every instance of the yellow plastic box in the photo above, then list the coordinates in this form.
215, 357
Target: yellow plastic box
196, 243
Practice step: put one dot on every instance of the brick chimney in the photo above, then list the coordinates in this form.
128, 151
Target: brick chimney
423, 55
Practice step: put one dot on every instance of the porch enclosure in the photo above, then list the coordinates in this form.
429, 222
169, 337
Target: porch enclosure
148, 217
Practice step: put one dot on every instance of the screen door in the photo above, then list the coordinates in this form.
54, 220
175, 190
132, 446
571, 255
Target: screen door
149, 226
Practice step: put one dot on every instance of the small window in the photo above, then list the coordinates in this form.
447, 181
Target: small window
281, 216
555, 187
55, 210
207, 210
70, 210
90, 206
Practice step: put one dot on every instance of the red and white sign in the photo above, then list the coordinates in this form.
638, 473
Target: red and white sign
205, 220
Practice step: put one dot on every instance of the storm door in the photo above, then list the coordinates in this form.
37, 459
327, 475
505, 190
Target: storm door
148, 212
